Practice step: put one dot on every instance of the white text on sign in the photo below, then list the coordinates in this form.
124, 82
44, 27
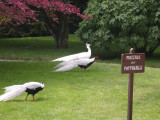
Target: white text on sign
133, 57
126, 68
132, 63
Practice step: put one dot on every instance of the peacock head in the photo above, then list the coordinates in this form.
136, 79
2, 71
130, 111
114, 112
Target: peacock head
88, 45
96, 57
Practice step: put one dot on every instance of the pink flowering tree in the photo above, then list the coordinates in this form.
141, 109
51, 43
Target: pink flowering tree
53, 13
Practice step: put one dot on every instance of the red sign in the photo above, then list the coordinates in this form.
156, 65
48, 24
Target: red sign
132, 63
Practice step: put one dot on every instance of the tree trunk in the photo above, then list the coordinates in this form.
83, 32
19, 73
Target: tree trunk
63, 32
148, 51
59, 31
151, 50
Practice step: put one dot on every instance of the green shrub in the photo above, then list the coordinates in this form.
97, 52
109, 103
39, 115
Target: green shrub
123, 24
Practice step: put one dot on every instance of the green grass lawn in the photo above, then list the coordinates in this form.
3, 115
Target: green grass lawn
41, 48
44, 49
98, 94
101, 93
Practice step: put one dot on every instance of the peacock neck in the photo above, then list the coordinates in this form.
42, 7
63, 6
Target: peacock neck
89, 49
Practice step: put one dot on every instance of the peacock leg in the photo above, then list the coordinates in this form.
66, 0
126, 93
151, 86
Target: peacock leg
33, 97
26, 97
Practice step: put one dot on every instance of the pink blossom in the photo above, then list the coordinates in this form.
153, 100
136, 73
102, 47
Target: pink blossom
20, 12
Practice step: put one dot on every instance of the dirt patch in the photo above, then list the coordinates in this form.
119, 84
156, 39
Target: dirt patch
19, 60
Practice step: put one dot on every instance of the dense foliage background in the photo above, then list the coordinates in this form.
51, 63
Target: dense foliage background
120, 24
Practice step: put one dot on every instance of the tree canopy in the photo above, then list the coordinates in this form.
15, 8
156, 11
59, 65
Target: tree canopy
122, 23
53, 13
22, 11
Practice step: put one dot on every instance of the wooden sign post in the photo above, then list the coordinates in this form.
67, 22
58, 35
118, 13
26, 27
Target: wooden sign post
132, 63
